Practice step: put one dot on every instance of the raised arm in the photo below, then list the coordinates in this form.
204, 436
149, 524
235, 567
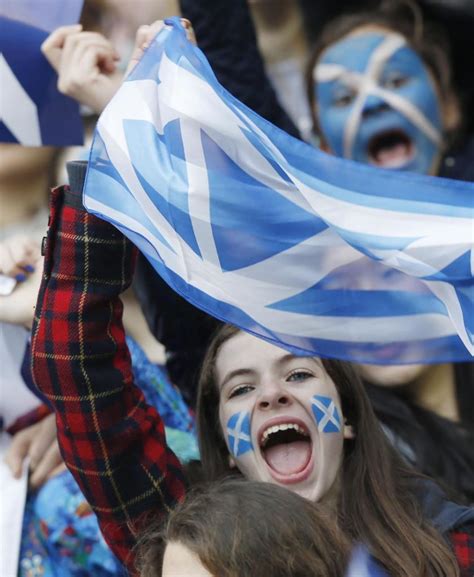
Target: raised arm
111, 440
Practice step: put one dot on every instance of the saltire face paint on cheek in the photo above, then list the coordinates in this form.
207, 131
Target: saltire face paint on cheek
238, 434
326, 414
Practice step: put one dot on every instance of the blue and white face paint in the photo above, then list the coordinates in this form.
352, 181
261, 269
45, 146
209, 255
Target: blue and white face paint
238, 434
377, 103
326, 414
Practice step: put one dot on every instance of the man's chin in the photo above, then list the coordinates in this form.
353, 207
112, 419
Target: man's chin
419, 163
391, 375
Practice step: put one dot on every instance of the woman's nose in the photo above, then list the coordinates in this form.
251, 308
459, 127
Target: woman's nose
273, 398
374, 105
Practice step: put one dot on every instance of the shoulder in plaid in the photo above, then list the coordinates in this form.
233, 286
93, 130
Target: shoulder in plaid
112, 441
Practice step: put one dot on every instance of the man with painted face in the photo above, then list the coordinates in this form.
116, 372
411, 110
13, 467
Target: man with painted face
381, 93
377, 102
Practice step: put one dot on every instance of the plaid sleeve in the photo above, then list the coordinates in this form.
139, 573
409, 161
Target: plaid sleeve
463, 546
111, 440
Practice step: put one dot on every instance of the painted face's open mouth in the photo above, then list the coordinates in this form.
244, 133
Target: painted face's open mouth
391, 149
287, 449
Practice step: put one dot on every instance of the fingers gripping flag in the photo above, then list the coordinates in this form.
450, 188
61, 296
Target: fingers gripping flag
32, 110
316, 253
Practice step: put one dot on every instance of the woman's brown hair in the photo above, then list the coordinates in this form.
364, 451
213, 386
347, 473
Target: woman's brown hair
244, 528
377, 504
428, 40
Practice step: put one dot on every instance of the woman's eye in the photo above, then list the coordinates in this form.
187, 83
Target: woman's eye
342, 100
298, 376
395, 81
241, 390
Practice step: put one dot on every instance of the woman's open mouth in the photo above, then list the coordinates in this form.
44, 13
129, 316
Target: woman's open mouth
287, 449
391, 149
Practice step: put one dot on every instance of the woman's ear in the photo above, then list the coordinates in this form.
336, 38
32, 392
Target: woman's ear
349, 432
451, 112
324, 146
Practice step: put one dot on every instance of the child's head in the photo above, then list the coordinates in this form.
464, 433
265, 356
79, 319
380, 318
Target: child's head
380, 89
237, 528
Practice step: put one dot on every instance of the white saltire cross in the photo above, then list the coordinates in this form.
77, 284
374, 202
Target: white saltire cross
236, 435
326, 413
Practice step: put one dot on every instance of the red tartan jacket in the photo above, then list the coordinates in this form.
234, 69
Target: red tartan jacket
111, 440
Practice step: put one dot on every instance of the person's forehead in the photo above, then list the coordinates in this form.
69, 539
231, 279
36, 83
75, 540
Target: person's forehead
406, 59
354, 51
245, 351
243, 348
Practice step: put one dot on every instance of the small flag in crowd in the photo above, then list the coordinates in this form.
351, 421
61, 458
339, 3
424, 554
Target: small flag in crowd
32, 110
316, 253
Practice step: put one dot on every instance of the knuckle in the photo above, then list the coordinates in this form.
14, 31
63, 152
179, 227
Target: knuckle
35, 453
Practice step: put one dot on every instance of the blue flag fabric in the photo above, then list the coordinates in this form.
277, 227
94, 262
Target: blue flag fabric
361, 564
315, 253
32, 110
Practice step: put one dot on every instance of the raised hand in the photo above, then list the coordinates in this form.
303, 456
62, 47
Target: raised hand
86, 63
21, 260
145, 35
38, 443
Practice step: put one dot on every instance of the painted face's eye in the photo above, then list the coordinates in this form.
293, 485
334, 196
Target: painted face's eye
345, 98
299, 375
240, 390
394, 80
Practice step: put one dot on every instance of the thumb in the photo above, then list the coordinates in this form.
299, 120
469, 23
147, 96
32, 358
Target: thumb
53, 45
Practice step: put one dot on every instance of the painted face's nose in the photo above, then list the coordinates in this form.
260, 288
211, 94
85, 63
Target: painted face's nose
273, 397
373, 105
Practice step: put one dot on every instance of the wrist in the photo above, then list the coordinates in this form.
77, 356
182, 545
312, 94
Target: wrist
103, 91
80, 246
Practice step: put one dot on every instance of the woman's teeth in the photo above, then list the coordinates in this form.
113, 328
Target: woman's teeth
282, 427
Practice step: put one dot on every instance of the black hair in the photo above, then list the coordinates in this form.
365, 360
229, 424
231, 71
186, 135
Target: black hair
435, 445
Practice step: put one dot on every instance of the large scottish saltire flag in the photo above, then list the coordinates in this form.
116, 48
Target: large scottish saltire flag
32, 110
313, 252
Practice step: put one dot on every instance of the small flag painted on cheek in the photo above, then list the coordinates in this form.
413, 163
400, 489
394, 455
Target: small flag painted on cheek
326, 414
238, 433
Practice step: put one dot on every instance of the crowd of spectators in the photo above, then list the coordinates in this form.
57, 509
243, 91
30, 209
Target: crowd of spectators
143, 481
